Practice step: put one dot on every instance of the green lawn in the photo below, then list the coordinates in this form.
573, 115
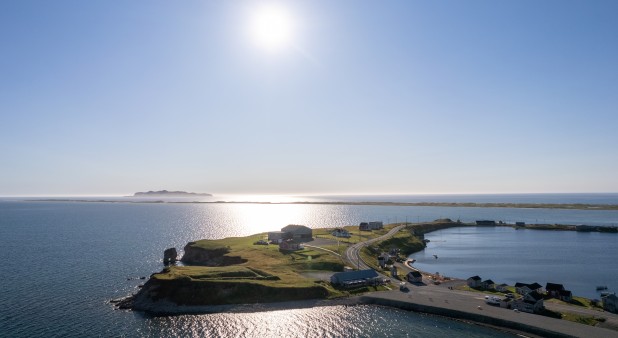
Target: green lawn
271, 273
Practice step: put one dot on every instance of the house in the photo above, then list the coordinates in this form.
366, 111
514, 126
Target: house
414, 277
536, 287
298, 232
354, 278
276, 236
502, 288
383, 259
565, 295
376, 225
485, 222
523, 288
368, 226
474, 282
290, 245
394, 272
553, 289
341, 233
488, 284
532, 302
610, 303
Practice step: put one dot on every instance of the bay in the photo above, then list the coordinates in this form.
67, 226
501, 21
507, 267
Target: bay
63, 262
578, 260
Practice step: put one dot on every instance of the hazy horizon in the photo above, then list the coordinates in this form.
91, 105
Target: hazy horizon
315, 97
322, 194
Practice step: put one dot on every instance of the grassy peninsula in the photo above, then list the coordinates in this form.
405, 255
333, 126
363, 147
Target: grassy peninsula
236, 270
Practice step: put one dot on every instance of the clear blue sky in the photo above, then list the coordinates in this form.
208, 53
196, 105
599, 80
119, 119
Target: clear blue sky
112, 97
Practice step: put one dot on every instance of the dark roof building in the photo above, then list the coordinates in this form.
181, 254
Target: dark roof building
485, 222
341, 278
474, 281
553, 287
298, 232
535, 286
414, 277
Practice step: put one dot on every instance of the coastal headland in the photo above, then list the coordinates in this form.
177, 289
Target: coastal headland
243, 274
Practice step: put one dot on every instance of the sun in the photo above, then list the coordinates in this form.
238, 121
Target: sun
271, 27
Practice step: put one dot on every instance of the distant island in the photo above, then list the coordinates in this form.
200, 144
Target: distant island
166, 193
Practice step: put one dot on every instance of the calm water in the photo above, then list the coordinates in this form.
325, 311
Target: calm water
580, 261
64, 261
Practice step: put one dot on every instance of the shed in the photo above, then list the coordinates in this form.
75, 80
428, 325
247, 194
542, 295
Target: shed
610, 303
290, 245
565, 295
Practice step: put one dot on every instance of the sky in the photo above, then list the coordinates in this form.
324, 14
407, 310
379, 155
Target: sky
371, 97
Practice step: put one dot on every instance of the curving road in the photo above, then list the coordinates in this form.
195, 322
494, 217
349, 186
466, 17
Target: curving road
352, 254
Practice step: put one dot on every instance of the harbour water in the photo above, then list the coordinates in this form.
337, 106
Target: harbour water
578, 260
63, 262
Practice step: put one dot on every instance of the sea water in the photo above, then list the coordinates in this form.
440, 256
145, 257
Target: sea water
64, 261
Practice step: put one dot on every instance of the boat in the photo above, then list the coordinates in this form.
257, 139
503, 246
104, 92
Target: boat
601, 287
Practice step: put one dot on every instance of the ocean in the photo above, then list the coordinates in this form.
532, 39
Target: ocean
64, 261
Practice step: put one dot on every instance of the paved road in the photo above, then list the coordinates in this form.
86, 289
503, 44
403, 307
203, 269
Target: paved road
352, 254
442, 297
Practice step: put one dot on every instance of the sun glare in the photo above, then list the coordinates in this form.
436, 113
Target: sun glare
271, 27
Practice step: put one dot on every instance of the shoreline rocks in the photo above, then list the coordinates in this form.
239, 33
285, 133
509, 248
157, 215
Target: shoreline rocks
170, 256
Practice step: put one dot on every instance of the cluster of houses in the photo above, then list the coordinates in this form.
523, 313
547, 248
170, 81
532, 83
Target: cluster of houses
291, 237
385, 257
531, 295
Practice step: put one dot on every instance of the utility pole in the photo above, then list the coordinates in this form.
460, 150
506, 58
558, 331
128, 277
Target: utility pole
358, 252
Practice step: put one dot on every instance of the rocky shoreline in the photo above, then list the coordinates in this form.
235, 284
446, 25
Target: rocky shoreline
165, 307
